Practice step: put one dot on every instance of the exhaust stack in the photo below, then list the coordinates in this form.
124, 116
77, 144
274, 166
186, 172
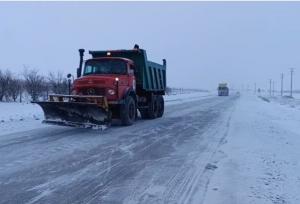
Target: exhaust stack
79, 69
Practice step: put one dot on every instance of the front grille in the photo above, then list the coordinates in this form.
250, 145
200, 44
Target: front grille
93, 91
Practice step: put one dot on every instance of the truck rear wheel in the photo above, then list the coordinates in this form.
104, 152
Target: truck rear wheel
128, 111
161, 106
153, 108
152, 111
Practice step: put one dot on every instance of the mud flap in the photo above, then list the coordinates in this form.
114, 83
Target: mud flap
75, 114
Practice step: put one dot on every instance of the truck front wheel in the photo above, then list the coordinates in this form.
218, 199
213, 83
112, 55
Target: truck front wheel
128, 111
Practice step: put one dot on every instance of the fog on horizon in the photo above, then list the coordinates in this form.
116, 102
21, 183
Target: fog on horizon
205, 43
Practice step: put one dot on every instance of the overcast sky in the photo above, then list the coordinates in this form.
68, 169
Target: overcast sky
204, 42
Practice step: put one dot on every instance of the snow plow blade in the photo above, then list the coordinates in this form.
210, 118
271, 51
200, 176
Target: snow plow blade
78, 111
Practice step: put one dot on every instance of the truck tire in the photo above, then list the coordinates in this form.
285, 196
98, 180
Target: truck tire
128, 111
152, 111
161, 106
153, 108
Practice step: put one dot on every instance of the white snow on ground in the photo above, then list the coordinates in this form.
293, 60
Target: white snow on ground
19, 111
295, 95
16, 117
292, 102
257, 162
24, 111
261, 156
192, 96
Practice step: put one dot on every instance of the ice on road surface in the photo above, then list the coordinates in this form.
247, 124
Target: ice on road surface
205, 149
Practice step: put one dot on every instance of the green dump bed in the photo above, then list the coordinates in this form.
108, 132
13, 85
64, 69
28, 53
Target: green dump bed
150, 76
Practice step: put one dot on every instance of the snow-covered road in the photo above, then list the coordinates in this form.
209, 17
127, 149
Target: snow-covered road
208, 149
166, 160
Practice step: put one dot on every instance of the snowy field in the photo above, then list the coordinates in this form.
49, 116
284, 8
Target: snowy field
293, 102
205, 150
187, 97
19, 111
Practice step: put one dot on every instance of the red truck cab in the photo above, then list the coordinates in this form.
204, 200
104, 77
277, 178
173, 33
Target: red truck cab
111, 77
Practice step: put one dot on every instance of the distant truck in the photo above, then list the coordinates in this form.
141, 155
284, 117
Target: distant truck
223, 90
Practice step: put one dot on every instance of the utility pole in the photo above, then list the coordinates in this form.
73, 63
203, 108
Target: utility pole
281, 90
273, 90
292, 71
270, 90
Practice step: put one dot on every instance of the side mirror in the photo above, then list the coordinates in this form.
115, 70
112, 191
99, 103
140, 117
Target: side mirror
69, 75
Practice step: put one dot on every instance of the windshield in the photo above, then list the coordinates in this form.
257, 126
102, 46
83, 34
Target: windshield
105, 67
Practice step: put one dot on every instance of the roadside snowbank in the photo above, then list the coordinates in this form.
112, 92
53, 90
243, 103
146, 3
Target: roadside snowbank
19, 111
16, 117
186, 97
293, 102
260, 157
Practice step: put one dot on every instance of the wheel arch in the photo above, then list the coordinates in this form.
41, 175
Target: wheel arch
130, 92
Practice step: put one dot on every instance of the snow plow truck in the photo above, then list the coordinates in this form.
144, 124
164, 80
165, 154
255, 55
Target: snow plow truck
112, 84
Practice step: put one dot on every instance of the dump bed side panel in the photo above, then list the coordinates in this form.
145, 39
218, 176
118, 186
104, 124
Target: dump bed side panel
155, 77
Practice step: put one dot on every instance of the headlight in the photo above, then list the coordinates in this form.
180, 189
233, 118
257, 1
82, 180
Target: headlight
111, 92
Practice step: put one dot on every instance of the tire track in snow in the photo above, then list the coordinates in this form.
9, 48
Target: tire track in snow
112, 158
182, 186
